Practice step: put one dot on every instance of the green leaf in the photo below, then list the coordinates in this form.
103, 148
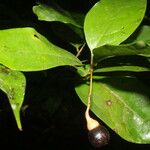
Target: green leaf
13, 84
48, 13
25, 49
123, 103
139, 48
74, 21
111, 22
122, 68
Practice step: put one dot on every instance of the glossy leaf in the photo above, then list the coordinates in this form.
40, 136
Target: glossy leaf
74, 21
13, 84
123, 103
139, 48
48, 13
111, 22
25, 49
122, 68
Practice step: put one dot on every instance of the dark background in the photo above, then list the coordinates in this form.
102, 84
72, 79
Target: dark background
52, 114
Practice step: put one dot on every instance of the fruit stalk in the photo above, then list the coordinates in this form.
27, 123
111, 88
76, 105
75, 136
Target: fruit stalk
98, 135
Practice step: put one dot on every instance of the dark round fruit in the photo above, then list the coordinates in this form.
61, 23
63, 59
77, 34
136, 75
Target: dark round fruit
99, 136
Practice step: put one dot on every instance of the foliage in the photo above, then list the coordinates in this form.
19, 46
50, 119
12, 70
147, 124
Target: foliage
116, 35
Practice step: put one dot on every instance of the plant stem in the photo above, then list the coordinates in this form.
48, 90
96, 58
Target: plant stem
91, 123
90, 88
80, 50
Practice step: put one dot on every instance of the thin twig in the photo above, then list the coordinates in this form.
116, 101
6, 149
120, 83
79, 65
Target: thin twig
80, 50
